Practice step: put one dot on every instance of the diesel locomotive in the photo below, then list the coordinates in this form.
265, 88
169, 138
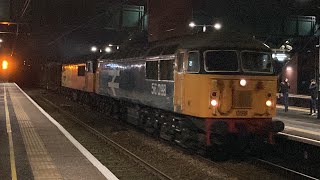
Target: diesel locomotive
200, 91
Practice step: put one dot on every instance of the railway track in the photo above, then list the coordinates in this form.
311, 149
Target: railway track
123, 163
136, 168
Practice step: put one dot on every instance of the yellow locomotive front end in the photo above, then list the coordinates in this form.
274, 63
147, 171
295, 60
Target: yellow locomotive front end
226, 96
232, 91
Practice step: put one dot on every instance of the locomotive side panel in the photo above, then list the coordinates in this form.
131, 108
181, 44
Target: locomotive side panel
126, 80
75, 76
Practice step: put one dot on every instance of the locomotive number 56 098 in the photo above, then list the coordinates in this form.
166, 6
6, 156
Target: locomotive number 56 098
158, 89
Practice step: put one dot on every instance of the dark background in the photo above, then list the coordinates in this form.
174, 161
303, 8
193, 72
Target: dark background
57, 31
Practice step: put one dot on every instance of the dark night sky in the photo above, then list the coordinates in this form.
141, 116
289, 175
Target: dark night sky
70, 26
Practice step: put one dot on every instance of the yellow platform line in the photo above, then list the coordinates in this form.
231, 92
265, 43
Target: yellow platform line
42, 165
9, 131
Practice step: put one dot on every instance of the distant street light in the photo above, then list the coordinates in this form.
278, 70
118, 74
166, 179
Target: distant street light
216, 26
108, 49
94, 49
111, 45
192, 24
1, 40
289, 68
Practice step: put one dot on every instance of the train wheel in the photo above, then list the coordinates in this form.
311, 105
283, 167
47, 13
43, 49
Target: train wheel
149, 125
74, 96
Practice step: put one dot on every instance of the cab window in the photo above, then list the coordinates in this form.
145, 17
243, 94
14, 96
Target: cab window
152, 70
193, 62
81, 70
217, 60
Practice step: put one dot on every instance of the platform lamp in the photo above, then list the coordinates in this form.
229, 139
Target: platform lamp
215, 26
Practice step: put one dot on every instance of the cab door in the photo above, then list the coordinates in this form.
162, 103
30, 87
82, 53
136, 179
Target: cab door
179, 73
89, 77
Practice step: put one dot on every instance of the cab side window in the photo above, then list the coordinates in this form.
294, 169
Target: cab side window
81, 70
152, 70
193, 62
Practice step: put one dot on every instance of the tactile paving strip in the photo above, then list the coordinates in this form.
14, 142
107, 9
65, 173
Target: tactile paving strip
40, 161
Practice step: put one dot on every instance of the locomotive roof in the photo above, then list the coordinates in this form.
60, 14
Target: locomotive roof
215, 40
81, 59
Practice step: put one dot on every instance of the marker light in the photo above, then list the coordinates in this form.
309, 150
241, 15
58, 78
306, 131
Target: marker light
243, 82
268, 103
214, 103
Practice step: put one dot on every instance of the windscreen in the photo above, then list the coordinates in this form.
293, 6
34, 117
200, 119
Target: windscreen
256, 62
221, 61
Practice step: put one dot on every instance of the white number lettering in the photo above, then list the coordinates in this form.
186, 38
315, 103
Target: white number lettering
159, 89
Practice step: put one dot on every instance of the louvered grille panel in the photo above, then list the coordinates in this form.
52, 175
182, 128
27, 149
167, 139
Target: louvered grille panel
242, 99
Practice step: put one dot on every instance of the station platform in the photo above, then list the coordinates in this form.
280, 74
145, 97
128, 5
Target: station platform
299, 125
34, 146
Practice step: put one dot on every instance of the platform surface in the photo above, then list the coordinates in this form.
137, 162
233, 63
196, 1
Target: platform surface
299, 125
34, 146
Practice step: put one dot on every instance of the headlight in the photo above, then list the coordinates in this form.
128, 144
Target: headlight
268, 103
243, 82
214, 103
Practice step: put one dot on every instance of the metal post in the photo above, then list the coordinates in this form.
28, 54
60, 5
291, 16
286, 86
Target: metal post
318, 116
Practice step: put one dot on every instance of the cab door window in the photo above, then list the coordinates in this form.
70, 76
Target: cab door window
89, 66
193, 62
166, 69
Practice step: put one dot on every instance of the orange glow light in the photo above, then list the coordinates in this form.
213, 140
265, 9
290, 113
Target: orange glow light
4, 64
